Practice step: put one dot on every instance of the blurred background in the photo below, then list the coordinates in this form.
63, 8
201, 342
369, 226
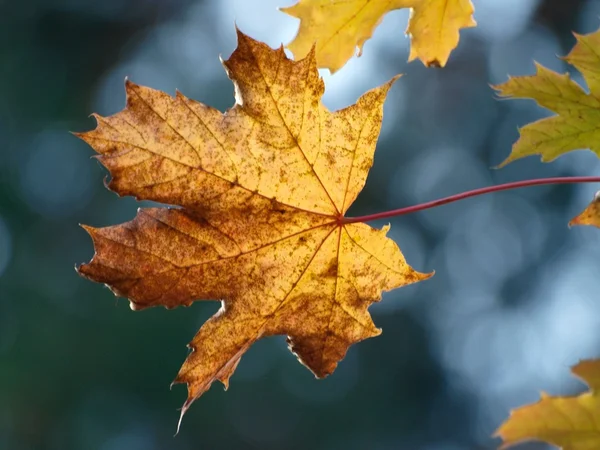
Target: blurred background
513, 305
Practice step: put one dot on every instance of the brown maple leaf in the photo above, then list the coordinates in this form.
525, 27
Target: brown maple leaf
263, 190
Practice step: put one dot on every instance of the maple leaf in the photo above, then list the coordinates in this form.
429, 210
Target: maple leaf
576, 125
591, 214
573, 423
262, 191
340, 26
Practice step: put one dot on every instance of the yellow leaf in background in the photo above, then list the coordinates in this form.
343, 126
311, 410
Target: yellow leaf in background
572, 423
262, 191
338, 27
577, 123
591, 214
434, 29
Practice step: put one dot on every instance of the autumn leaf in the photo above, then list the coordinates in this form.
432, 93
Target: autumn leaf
576, 125
591, 214
573, 423
262, 191
338, 27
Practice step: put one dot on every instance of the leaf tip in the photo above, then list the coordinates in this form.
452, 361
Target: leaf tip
290, 10
183, 410
241, 36
394, 79
129, 86
77, 134
420, 276
504, 163
426, 276
435, 63
497, 87
586, 370
89, 229
78, 267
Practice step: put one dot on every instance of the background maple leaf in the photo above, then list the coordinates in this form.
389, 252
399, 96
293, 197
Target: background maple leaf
590, 215
339, 27
486, 334
573, 423
576, 125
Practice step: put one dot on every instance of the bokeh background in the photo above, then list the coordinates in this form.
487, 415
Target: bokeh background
513, 305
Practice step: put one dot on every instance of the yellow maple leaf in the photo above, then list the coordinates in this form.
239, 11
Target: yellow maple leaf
338, 27
576, 125
262, 191
573, 423
591, 214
